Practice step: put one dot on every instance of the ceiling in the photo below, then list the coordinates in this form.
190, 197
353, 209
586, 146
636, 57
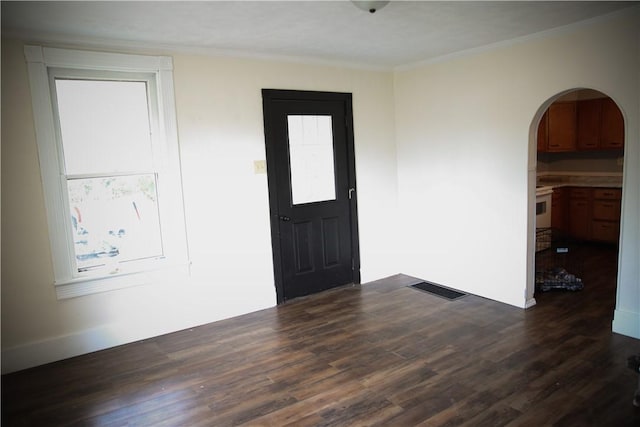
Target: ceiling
402, 33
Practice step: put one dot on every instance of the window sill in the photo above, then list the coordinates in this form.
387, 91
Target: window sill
82, 286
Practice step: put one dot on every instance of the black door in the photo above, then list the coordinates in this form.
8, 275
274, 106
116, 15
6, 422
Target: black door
312, 198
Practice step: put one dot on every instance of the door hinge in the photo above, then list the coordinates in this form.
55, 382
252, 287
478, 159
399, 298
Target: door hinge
351, 191
353, 264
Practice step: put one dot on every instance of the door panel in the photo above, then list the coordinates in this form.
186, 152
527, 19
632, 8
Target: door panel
331, 241
302, 250
310, 166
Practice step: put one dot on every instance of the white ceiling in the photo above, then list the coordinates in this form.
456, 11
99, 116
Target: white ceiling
402, 33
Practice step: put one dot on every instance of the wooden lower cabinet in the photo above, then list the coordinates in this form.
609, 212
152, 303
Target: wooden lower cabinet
560, 210
605, 231
579, 213
605, 224
593, 213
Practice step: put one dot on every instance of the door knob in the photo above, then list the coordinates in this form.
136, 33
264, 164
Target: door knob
285, 218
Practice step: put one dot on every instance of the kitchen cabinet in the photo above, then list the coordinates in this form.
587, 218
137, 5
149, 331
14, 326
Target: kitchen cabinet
605, 222
593, 213
591, 124
560, 210
612, 126
542, 132
589, 121
562, 127
579, 213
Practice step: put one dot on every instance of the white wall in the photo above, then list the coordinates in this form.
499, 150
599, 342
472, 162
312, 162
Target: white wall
466, 157
220, 126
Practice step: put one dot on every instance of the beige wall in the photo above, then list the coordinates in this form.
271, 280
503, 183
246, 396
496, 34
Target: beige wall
447, 142
466, 157
220, 126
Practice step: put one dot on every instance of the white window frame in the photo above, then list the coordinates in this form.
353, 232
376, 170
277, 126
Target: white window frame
43, 64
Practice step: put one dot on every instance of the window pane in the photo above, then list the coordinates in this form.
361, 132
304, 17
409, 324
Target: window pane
114, 219
311, 159
104, 126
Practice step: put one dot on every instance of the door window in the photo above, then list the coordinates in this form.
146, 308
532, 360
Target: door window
311, 159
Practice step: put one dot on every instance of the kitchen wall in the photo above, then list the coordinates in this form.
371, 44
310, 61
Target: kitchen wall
466, 131
220, 126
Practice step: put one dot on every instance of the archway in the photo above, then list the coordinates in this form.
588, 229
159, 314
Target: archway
576, 154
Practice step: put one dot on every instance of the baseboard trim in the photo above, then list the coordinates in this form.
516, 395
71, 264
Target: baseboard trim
626, 323
63, 347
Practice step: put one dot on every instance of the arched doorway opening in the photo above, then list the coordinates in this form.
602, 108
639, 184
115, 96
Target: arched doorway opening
575, 173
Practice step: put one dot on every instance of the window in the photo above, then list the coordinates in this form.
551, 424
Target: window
105, 126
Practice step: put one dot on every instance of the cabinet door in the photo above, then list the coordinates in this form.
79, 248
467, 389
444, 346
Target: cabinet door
607, 193
562, 127
605, 231
589, 119
612, 131
608, 210
542, 132
580, 218
559, 210
605, 225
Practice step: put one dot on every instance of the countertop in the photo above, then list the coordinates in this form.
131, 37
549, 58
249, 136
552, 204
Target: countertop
579, 180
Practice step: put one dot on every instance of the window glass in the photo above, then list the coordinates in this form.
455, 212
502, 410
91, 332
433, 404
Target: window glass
114, 219
104, 126
311, 159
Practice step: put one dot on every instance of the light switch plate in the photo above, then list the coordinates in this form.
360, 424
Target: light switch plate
259, 167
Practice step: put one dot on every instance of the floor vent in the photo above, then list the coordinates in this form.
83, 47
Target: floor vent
438, 290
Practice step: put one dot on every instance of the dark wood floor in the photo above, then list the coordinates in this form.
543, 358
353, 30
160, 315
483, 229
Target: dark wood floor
381, 354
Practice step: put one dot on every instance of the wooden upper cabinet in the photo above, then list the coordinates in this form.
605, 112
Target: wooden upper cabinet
542, 132
562, 127
590, 124
589, 120
612, 131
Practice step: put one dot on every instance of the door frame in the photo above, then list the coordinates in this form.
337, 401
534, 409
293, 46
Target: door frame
268, 96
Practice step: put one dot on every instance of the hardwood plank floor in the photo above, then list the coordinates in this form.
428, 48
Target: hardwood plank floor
378, 354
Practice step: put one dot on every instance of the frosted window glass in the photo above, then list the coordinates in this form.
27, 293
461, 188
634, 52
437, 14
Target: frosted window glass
104, 125
311, 159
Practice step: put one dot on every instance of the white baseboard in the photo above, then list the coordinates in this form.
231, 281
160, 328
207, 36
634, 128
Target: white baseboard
197, 307
63, 347
89, 340
626, 323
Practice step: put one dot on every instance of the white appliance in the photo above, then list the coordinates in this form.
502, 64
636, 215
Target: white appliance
543, 206
543, 217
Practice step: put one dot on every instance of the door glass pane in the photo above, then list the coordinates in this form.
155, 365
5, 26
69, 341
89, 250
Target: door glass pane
104, 126
114, 219
311, 159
